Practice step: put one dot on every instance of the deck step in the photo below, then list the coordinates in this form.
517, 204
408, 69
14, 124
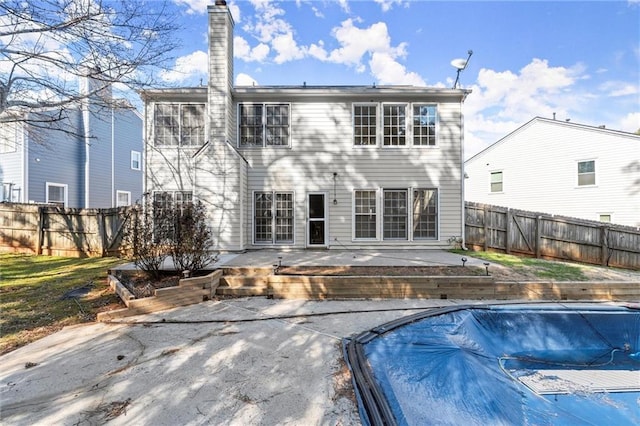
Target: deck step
254, 290
247, 271
235, 281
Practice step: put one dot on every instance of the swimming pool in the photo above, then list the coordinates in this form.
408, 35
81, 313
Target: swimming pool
501, 364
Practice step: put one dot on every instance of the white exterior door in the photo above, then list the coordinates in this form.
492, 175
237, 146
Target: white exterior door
317, 213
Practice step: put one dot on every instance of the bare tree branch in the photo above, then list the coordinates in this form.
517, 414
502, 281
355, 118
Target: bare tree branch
48, 46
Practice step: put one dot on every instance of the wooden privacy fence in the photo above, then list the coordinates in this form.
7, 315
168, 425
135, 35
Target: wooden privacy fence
56, 231
549, 236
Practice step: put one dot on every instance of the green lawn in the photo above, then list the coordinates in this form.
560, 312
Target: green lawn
547, 269
31, 288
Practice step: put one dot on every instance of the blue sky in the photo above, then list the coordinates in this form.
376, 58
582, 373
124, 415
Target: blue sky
579, 59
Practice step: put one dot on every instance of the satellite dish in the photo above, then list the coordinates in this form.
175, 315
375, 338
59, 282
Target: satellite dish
459, 63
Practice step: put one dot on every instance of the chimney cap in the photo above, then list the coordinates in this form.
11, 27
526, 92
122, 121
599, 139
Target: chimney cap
221, 3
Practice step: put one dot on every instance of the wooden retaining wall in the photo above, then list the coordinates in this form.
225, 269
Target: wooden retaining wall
188, 292
464, 288
554, 237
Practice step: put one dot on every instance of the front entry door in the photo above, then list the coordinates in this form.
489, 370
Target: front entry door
317, 220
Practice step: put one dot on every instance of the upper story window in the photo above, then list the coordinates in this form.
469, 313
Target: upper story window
394, 126
263, 125
399, 124
424, 125
586, 173
179, 124
364, 124
136, 160
496, 182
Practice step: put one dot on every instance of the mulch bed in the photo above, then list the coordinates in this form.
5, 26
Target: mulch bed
142, 285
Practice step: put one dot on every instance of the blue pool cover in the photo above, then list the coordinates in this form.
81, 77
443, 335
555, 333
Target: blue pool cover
501, 365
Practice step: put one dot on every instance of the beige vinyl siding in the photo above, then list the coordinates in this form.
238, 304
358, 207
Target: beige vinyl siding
322, 143
540, 169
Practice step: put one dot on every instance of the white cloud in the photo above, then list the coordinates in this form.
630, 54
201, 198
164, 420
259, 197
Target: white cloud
242, 50
388, 71
619, 88
630, 122
186, 67
287, 48
245, 80
386, 5
194, 6
501, 101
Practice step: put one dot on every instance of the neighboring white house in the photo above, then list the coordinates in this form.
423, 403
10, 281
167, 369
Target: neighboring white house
91, 159
561, 168
307, 166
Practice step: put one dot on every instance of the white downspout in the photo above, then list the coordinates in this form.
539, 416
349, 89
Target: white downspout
463, 244
113, 161
87, 153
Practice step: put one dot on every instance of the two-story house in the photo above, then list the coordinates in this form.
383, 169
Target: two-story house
90, 159
562, 168
307, 166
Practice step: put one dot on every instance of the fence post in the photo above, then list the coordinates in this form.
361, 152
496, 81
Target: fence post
604, 245
102, 232
507, 238
538, 247
486, 227
39, 231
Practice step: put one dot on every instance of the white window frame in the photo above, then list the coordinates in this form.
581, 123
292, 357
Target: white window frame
127, 193
495, 172
605, 214
136, 156
273, 241
376, 133
383, 125
264, 125
64, 186
411, 132
180, 125
412, 220
407, 216
578, 174
376, 193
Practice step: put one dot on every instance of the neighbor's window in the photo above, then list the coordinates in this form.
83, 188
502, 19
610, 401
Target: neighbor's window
425, 213
123, 198
136, 160
264, 125
57, 194
586, 173
496, 181
605, 218
365, 222
179, 124
424, 125
273, 217
394, 214
364, 124
394, 126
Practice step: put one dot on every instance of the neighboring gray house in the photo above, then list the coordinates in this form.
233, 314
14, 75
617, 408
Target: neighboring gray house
307, 166
561, 168
96, 162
